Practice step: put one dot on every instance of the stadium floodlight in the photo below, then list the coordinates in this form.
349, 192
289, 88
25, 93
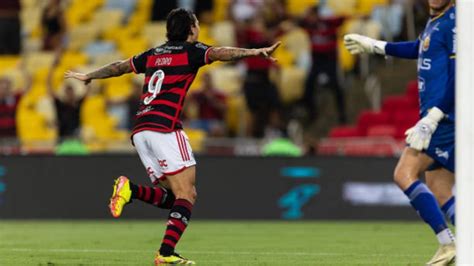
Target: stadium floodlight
465, 133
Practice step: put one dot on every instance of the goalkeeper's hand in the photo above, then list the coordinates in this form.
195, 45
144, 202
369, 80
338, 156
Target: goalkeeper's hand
358, 44
419, 136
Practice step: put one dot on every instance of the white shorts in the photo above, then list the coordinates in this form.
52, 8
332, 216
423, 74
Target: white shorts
163, 154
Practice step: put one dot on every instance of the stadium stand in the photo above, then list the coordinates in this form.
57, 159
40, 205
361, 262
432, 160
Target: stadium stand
376, 133
100, 31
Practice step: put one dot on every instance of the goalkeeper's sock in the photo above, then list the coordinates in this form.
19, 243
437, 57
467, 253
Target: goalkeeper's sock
178, 220
449, 209
424, 202
156, 196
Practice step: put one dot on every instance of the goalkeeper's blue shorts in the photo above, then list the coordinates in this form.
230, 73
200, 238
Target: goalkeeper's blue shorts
442, 147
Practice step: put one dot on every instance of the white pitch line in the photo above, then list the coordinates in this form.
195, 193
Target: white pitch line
207, 252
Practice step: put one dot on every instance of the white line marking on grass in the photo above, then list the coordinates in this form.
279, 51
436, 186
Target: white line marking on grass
62, 250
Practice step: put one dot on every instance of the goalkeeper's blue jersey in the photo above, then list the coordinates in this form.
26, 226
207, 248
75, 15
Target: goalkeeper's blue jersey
435, 50
436, 64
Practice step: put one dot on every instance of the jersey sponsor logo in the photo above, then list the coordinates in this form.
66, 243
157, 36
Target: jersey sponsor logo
421, 84
201, 46
442, 154
147, 109
454, 40
424, 64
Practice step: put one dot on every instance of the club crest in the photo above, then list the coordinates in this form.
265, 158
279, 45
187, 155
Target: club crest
426, 43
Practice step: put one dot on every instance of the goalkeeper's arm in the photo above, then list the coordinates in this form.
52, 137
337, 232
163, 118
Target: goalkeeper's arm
359, 44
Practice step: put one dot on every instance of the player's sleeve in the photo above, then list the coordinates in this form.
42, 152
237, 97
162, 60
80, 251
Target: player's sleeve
407, 50
446, 103
138, 62
199, 54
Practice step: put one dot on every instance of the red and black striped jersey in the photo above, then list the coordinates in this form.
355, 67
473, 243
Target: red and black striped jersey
180, 62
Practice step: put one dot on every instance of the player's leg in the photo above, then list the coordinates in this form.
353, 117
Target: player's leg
182, 185
125, 191
158, 196
442, 151
441, 183
411, 164
179, 168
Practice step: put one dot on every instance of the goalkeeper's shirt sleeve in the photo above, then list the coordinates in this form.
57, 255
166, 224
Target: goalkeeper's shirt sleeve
407, 50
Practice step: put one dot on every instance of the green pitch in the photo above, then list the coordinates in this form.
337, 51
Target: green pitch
216, 243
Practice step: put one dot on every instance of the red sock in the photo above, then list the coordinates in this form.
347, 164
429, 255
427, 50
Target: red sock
157, 196
178, 220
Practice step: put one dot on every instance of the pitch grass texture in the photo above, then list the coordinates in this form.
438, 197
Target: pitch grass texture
129, 242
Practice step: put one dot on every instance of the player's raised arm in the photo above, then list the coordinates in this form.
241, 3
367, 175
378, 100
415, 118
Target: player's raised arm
114, 69
234, 53
359, 44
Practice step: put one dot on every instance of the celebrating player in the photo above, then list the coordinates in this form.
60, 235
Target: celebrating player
158, 137
431, 141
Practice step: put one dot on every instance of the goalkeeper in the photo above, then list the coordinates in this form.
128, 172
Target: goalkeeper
430, 143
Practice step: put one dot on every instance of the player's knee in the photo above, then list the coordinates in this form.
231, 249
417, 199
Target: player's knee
187, 193
397, 175
403, 178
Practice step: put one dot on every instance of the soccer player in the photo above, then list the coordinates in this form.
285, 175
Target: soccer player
430, 143
158, 137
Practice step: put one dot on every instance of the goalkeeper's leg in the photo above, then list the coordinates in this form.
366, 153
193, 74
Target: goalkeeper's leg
441, 182
410, 166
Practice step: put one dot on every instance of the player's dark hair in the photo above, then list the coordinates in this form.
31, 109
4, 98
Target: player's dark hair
179, 23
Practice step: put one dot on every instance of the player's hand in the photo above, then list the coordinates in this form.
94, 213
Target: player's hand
76, 75
419, 136
268, 51
358, 44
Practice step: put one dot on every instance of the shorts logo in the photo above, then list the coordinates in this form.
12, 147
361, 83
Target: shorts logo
163, 164
150, 172
442, 154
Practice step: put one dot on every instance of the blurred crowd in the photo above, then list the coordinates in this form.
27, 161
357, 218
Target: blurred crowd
255, 98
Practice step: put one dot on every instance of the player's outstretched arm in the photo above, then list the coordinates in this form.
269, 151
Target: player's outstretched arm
114, 69
359, 44
234, 53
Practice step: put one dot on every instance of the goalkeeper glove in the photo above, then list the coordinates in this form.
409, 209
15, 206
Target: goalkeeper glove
358, 44
419, 136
